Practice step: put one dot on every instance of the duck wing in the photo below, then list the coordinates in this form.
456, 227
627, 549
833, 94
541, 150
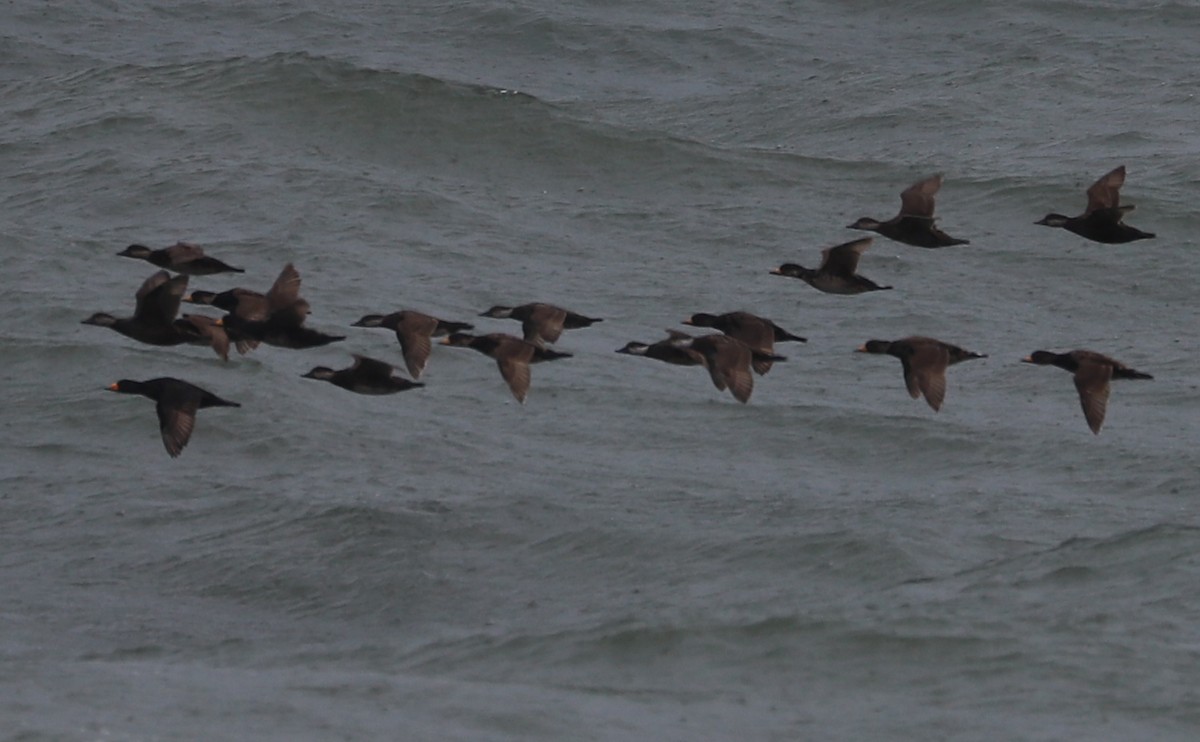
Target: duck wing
728, 362
917, 199
286, 289
842, 260
516, 375
176, 418
1092, 383
924, 372
159, 297
414, 335
1104, 193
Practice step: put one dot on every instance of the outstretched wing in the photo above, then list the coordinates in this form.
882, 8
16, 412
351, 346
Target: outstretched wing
159, 297
917, 199
1092, 383
176, 423
927, 367
842, 260
516, 374
1104, 193
286, 289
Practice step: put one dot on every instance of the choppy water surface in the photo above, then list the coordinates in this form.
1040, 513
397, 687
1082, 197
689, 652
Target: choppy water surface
631, 554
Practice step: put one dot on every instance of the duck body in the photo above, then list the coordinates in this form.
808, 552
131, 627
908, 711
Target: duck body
513, 356
1103, 219
176, 403
1102, 225
1092, 372
365, 376
182, 257
756, 332
924, 361
413, 331
153, 320
541, 322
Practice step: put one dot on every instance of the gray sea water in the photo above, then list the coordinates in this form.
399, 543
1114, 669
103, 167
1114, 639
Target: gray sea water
631, 555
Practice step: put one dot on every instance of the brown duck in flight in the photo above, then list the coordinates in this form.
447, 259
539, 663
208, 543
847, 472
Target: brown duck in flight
914, 225
836, 274
1092, 373
153, 320
675, 349
925, 361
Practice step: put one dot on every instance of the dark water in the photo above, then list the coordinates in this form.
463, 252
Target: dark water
631, 554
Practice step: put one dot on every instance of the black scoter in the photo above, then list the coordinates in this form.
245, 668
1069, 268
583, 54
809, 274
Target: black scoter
914, 225
836, 274
1102, 220
177, 402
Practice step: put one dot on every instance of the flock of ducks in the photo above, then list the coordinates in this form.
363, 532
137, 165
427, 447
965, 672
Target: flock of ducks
744, 342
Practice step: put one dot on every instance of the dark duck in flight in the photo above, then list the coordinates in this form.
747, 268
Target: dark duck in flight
153, 320
182, 257
1092, 372
542, 322
836, 274
914, 225
176, 404
1102, 221
365, 376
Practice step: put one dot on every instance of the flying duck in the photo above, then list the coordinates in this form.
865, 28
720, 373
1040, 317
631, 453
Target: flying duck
542, 322
836, 274
365, 376
1092, 372
182, 257
177, 402
1102, 220
925, 361
153, 318
914, 225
